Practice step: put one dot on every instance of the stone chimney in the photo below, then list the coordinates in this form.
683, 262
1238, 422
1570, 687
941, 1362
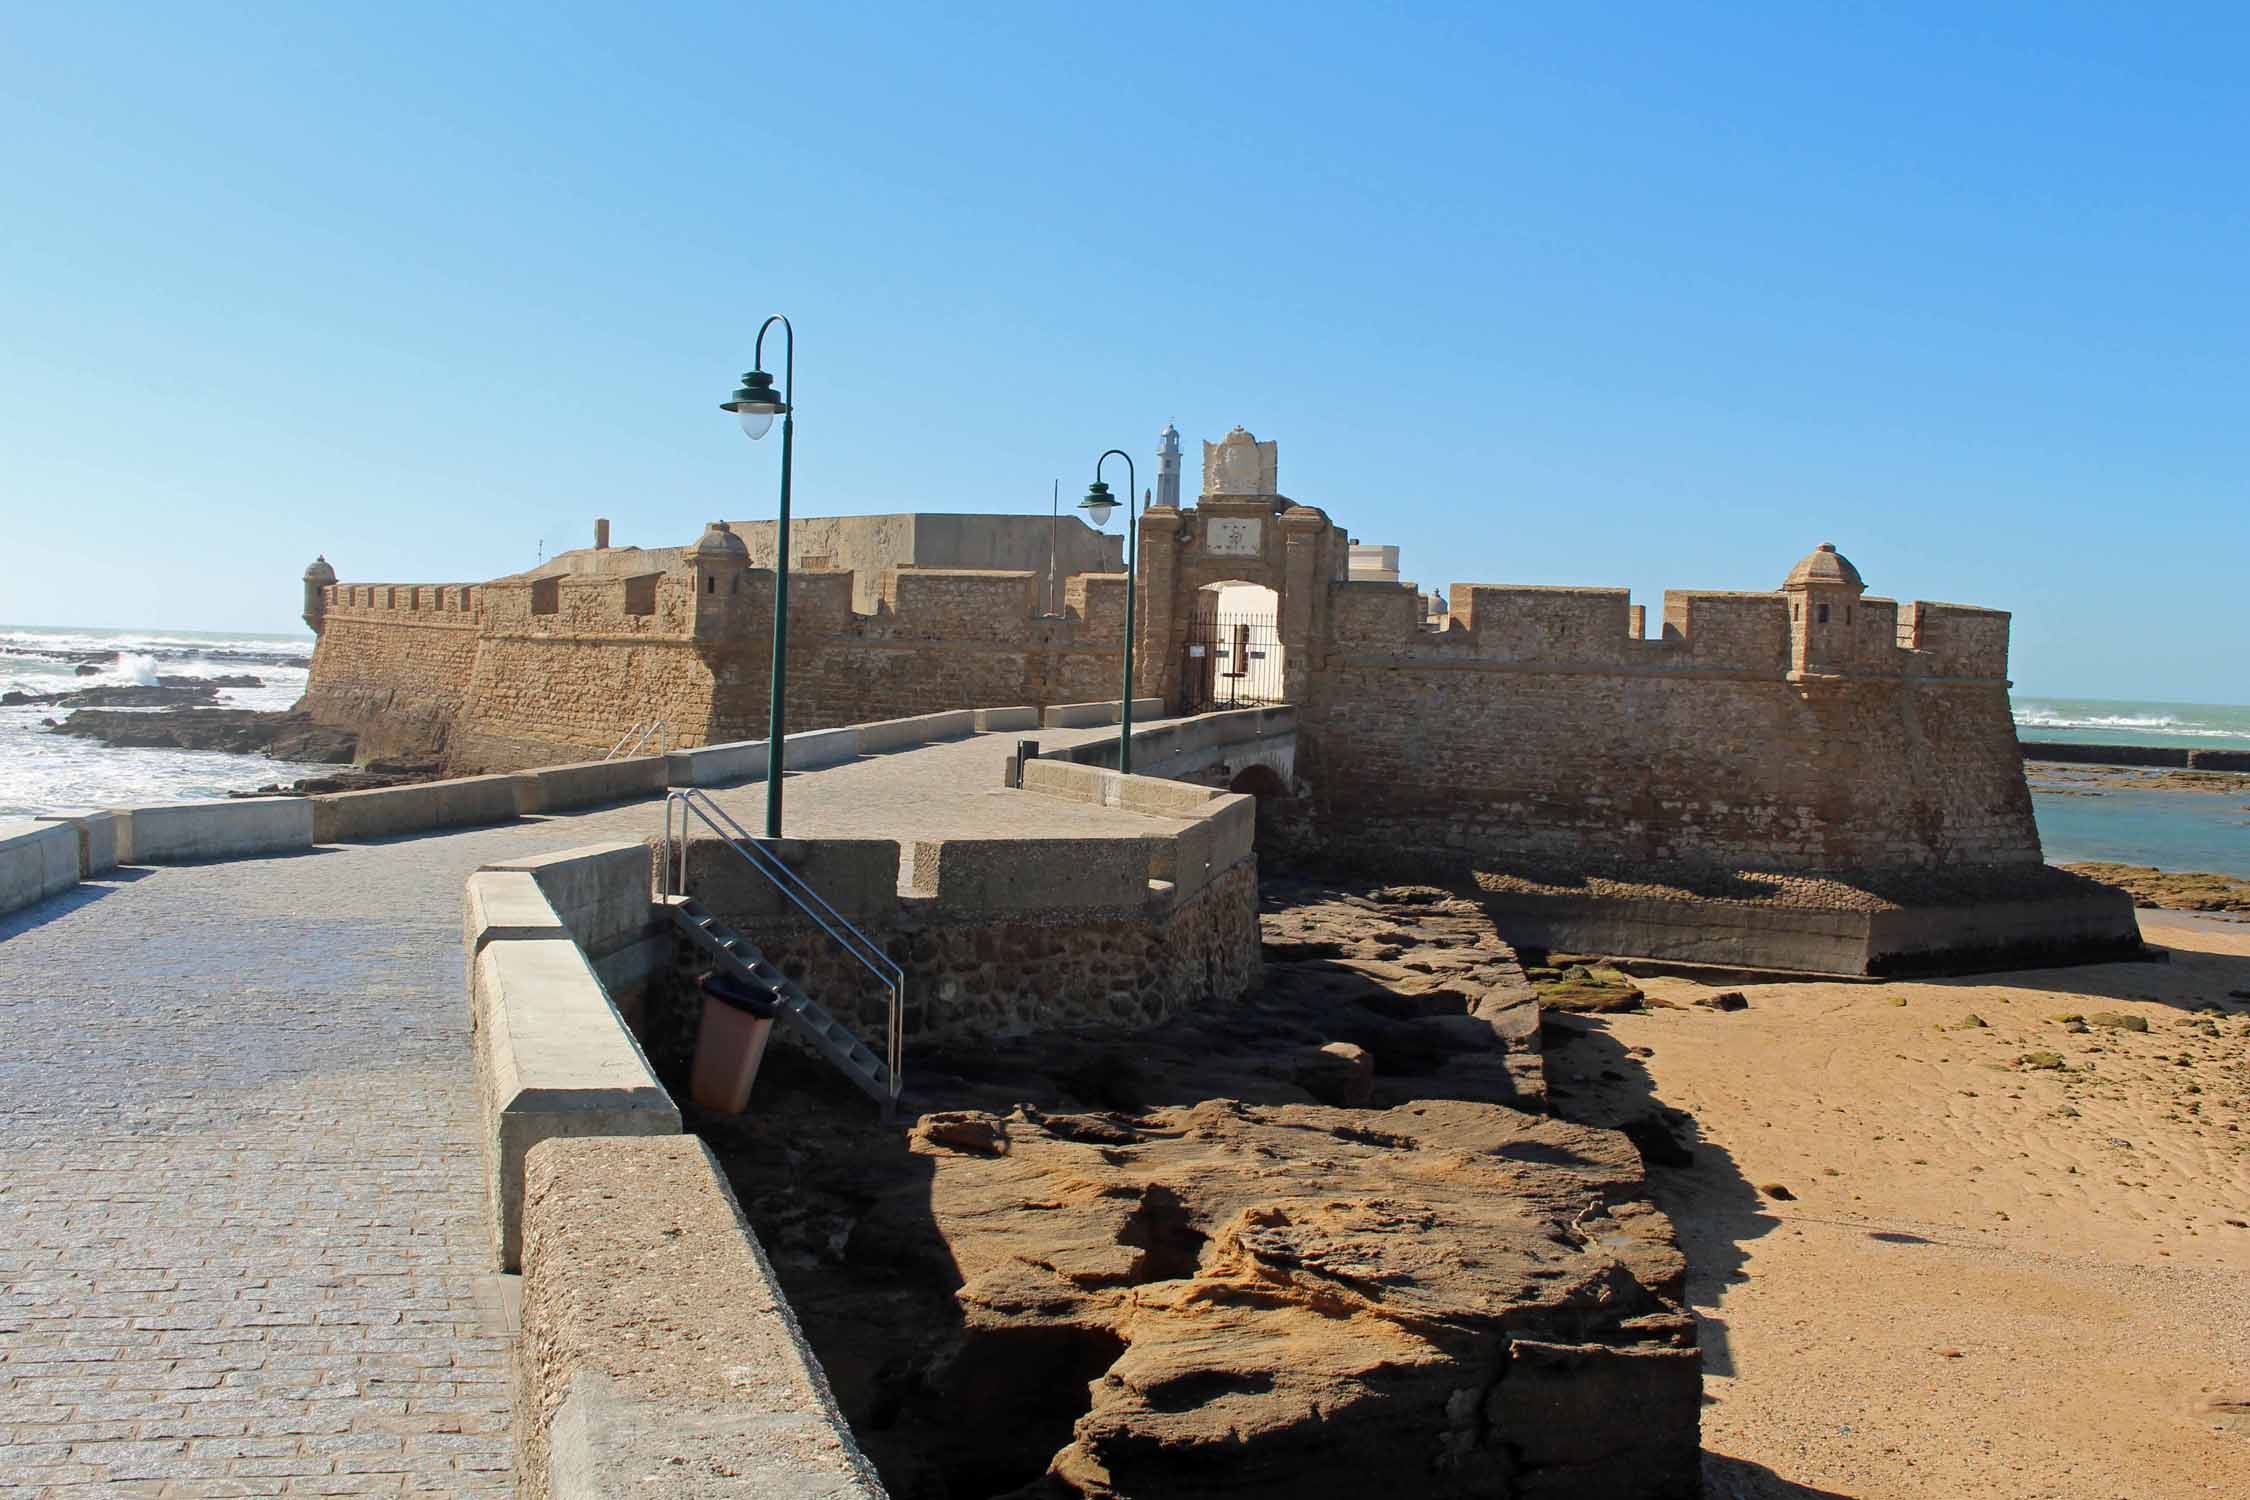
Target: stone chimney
601, 534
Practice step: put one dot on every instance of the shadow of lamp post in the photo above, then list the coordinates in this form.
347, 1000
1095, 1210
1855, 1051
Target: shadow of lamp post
756, 405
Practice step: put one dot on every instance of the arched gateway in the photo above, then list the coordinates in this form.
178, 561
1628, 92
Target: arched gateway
1241, 532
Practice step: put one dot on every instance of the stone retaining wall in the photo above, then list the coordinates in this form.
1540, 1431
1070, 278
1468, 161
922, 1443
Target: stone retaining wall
553, 1055
658, 1355
2171, 756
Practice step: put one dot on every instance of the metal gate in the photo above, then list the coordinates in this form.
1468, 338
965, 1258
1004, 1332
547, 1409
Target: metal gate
1231, 661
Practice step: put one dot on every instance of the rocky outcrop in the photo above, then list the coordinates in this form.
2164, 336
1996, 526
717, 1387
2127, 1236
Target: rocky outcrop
1320, 1243
2179, 890
240, 730
1445, 1298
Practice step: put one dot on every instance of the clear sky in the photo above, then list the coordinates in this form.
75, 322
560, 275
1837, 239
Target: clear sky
1656, 296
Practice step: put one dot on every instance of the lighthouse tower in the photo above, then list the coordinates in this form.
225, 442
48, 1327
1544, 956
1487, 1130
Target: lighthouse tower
1168, 467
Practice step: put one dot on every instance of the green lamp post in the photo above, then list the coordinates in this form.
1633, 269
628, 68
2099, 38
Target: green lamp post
756, 405
1098, 504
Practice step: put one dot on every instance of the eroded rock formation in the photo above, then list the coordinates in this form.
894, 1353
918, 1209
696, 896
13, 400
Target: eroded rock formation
1302, 1246
1445, 1298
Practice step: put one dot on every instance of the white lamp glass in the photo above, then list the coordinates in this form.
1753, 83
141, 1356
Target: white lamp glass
755, 424
1100, 513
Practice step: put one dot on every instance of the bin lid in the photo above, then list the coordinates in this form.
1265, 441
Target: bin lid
728, 990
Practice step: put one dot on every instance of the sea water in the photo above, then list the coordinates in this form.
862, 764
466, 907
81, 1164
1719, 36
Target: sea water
41, 771
2107, 818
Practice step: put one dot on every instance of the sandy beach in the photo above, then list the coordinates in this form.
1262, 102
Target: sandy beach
2014, 1257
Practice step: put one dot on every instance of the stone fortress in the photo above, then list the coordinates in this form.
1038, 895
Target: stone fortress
1809, 778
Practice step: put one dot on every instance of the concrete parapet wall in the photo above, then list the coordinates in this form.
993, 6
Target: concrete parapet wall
656, 1340
591, 783
1024, 716
717, 765
553, 1058
178, 832
900, 734
37, 860
858, 877
97, 840
815, 748
1240, 735
1086, 715
602, 894
459, 802
1017, 876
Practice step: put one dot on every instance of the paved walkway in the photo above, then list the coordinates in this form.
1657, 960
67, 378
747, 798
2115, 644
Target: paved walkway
242, 1243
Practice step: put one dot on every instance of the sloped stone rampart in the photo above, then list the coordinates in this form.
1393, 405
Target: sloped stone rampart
656, 1340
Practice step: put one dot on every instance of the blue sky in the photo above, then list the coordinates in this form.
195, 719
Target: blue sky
1656, 296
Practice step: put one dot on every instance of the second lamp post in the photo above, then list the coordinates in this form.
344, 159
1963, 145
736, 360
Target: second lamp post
757, 405
1098, 504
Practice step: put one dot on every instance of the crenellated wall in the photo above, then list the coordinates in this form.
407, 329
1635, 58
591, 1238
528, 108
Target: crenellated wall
1814, 727
1535, 725
538, 668
394, 663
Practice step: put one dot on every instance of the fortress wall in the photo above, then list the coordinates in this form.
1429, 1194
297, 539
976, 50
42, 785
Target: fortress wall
1749, 632
392, 662
1098, 602
1575, 765
566, 665
1374, 615
1960, 639
1544, 624
956, 604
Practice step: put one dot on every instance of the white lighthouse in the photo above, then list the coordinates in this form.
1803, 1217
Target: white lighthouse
1168, 467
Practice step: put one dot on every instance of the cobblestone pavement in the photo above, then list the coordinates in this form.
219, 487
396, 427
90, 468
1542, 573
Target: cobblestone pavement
241, 1218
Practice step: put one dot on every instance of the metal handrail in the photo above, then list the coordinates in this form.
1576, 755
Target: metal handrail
802, 895
639, 732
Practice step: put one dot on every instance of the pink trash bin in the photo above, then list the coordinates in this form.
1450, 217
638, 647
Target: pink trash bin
729, 1042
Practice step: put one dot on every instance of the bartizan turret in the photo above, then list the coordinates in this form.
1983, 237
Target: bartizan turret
318, 579
1823, 590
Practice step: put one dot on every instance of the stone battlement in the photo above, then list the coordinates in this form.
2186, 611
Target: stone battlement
1703, 630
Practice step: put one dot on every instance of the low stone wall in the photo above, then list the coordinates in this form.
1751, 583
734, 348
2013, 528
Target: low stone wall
1087, 715
458, 802
1234, 737
591, 783
37, 860
1006, 936
658, 1356
178, 832
2171, 756
553, 1055
601, 895
2057, 918
96, 833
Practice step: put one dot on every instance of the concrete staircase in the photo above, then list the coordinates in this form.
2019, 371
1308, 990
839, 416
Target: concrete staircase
738, 956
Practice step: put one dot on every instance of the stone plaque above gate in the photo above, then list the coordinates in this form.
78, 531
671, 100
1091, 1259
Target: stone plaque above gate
1234, 536
1239, 464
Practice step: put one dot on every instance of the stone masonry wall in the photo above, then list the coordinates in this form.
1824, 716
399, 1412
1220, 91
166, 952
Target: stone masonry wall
394, 663
538, 670
1538, 727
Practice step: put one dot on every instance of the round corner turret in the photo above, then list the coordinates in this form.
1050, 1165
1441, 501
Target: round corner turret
319, 579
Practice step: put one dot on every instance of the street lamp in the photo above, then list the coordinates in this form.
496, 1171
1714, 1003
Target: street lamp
1098, 504
756, 405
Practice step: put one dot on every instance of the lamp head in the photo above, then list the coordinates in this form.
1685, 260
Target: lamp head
756, 404
1099, 502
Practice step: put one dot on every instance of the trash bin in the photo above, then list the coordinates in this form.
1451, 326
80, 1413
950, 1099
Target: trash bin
729, 1042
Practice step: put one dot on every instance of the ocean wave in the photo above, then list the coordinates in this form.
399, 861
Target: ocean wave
2159, 724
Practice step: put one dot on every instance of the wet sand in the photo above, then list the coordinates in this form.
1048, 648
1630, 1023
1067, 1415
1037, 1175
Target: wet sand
1993, 1276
